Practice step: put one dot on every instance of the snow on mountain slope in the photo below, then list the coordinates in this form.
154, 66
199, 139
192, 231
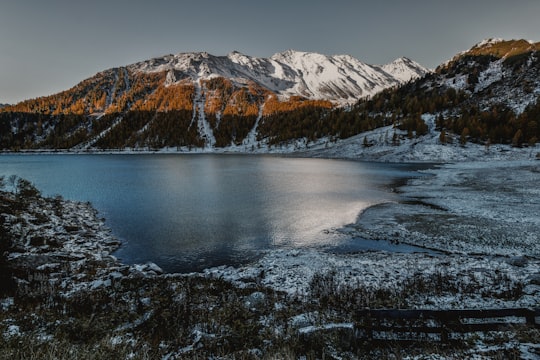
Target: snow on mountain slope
335, 78
495, 72
404, 69
339, 78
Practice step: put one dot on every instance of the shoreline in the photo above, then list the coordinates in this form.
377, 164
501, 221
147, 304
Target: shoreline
68, 251
414, 205
426, 148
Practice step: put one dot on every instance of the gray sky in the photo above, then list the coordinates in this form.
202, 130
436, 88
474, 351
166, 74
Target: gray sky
49, 46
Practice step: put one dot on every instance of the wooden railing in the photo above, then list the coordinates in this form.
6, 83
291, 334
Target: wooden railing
403, 324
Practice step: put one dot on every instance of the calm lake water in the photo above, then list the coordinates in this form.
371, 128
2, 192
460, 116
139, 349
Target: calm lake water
189, 212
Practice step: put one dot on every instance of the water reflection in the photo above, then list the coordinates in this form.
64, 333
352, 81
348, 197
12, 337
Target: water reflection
312, 196
190, 212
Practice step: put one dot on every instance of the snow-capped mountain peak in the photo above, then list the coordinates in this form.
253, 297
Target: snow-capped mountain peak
488, 42
404, 69
339, 78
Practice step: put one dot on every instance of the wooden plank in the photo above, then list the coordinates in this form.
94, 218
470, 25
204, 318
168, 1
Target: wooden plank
459, 328
529, 314
446, 321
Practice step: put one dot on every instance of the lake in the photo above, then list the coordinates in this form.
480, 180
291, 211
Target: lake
190, 212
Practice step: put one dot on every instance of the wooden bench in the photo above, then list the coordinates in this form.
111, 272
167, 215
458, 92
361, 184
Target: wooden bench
401, 324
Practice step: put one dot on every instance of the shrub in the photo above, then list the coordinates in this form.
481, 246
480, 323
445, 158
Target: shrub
26, 190
6, 278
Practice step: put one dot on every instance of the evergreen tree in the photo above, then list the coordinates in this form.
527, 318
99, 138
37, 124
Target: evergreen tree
464, 136
442, 137
518, 138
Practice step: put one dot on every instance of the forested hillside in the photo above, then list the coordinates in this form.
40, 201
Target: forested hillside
485, 95
488, 94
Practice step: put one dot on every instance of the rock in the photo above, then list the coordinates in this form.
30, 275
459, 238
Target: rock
155, 268
148, 269
255, 300
116, 275
71, 228
100, 283
534, 279
146, 302
519, 261
531, 289
49, 267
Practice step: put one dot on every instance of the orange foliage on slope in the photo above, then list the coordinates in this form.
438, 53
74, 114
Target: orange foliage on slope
273, 105
242, 104
504, 48
120, 90
168, 98
218, 92
227, 99
140, 86
91, 95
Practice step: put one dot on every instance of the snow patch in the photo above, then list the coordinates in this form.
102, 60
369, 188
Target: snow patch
489, 76
488, 42
205, 129
459, 82
12, 331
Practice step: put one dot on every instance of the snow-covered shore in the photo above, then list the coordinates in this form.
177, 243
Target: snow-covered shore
480, 215
380, 147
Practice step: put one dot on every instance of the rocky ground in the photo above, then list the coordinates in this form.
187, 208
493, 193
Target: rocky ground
64, 295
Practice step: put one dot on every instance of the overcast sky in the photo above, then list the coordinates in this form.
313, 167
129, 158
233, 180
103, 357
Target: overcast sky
49, 46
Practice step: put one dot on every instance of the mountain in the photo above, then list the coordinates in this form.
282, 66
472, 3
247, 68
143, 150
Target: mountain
198, 100
404, 70
483, 98
496, 72
290, 102
340, 78
501, 48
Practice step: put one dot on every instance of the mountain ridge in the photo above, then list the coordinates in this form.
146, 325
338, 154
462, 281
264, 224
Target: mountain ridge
200, 102
339, 78
502, 48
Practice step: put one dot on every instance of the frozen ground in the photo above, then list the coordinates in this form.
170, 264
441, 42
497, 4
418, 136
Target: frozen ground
485, 208
482, 217
292, 272
427, 148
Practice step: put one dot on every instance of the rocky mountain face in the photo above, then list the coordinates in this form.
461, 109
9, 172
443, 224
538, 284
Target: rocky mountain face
495, 72
340, 79
488, 94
